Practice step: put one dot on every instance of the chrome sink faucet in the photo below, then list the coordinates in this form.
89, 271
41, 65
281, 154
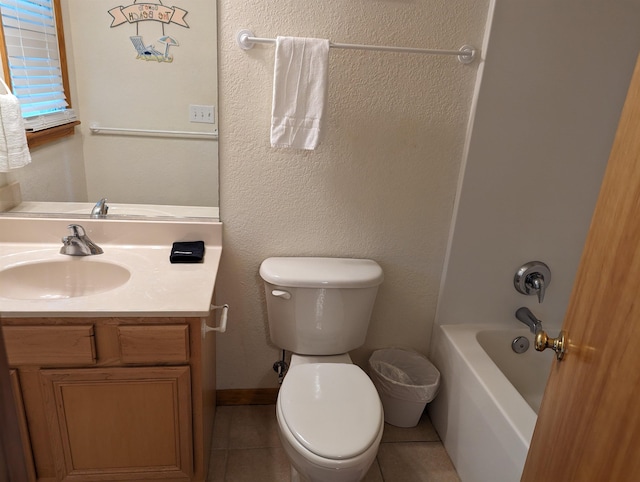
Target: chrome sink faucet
78, 243
525, 316
100, 209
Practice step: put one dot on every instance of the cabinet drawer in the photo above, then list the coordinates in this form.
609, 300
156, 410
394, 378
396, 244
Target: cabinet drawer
50, 345
154, 343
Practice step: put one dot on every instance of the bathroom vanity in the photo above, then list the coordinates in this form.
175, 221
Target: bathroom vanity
116, 384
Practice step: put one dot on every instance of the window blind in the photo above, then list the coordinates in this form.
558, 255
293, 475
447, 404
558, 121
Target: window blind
33, 55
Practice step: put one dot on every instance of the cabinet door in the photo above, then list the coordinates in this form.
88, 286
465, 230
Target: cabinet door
128, 424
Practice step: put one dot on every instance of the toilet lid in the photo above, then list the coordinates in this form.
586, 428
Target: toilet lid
332, 409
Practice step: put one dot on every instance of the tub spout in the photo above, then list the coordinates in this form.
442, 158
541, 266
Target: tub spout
525, 316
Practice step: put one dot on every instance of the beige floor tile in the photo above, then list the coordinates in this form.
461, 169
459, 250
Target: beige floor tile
253, 426
221, 424
246, 447
416, 462
374, 474
258, 465
217, 466
423, 432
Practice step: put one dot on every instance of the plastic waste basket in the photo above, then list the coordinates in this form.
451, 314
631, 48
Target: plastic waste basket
406, 381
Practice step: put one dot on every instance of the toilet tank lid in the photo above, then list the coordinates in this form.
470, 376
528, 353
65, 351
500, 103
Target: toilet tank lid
307, 272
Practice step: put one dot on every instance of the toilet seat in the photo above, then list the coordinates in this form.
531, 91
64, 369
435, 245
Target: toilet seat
332, 409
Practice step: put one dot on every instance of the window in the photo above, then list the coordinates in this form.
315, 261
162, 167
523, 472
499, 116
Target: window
33, 65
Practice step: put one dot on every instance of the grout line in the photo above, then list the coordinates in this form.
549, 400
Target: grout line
226, 465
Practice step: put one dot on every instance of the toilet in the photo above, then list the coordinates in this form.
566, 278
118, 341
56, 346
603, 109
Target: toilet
330, 417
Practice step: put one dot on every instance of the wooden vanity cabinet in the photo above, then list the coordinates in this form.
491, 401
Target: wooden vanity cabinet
113, 399
22, 424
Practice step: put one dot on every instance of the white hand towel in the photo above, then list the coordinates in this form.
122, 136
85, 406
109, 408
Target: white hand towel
14, 152
299, 91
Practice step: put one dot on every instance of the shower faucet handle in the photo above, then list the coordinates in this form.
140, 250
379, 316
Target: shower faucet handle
532, 279
536, 281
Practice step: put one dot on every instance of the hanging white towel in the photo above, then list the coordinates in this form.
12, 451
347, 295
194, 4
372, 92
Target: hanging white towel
14, 151
299, 91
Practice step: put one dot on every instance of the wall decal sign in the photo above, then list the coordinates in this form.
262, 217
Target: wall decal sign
139, 12
154, 12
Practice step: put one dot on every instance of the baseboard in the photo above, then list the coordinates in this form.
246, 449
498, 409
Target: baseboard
249, 396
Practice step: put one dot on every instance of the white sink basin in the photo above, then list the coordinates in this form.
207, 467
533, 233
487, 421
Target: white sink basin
65, 278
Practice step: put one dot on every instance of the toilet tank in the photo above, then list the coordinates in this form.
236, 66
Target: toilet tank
320, 306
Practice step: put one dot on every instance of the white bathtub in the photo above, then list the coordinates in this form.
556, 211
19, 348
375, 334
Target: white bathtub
487, 407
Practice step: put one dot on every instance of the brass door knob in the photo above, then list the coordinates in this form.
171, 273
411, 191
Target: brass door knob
556, 344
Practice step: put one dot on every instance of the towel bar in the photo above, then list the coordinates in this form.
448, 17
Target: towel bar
97, 129
466, 54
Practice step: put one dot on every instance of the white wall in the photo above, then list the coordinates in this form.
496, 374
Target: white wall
382, 183
554, 82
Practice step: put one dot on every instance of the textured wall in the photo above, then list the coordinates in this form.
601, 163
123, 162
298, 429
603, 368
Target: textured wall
382, 183
555, 78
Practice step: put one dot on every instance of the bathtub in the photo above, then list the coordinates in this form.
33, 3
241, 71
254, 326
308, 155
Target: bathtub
487, 406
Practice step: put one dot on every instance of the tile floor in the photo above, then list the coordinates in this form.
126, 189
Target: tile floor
246, 448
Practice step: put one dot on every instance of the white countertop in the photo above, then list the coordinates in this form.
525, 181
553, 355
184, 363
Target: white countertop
156, 286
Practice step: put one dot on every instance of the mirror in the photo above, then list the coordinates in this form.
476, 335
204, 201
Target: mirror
133, 68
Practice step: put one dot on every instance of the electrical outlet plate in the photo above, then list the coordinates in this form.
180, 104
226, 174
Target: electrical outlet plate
202, 113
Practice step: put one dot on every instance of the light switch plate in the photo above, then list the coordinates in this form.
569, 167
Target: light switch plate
202, 113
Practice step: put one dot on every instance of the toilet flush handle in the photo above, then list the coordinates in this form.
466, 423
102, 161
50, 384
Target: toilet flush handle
281, 294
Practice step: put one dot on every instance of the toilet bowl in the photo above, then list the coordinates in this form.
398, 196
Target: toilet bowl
330, 419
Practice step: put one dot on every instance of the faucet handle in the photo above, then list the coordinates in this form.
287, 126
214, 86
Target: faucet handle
76, 230
532, 279
78, 243
536, 280
101, 209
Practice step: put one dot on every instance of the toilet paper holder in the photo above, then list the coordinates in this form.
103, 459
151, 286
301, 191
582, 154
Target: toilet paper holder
206, 328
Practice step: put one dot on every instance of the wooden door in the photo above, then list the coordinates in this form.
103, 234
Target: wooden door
589, 423
128, 424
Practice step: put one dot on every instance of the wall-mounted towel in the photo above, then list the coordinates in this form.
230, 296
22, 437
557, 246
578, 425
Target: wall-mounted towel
14, 151
299, 91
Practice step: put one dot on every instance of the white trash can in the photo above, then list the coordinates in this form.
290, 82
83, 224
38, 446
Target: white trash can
406, 381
